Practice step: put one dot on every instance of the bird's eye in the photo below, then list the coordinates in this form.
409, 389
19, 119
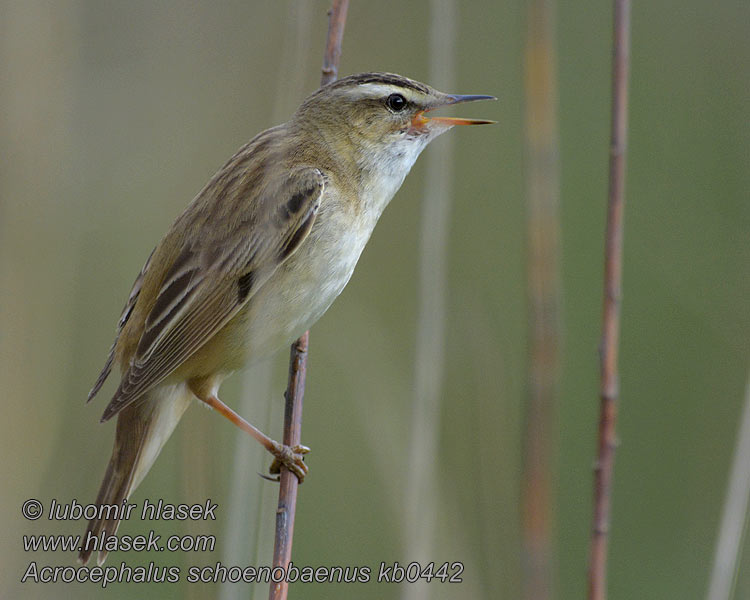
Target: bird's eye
396, 102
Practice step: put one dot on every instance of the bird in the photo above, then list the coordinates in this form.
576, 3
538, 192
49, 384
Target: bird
254, 260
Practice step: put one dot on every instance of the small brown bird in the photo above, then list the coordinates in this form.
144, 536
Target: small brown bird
256, 258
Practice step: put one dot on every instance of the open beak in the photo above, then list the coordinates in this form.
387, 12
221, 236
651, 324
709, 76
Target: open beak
420, 120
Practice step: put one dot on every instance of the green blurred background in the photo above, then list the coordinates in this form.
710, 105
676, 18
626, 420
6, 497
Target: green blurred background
113, 115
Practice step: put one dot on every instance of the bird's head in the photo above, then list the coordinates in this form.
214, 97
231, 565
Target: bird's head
381, 118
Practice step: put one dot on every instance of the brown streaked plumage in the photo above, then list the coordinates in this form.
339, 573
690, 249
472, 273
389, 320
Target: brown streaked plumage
255, 259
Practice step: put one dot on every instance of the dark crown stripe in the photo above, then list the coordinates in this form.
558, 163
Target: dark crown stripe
387, 78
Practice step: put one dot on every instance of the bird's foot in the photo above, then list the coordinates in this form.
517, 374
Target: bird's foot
291, 457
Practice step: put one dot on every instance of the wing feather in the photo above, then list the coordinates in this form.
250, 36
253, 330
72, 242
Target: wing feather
202, 291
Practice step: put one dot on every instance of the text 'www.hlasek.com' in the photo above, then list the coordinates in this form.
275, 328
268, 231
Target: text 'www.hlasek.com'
118, 572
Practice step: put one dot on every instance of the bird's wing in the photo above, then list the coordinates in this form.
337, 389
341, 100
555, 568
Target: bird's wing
213, 278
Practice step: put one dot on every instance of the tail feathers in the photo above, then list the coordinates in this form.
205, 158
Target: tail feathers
115, 489
142, 430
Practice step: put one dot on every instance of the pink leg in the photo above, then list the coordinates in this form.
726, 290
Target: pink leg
290, 457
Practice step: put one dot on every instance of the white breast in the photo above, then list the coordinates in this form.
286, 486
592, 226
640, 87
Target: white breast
303, 288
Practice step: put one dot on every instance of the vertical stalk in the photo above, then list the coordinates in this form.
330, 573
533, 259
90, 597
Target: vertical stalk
609, 391
422, 491
735, 517
543, 301
332, 56
282, 551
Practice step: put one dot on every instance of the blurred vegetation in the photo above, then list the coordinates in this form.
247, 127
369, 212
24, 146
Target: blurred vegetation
115, 114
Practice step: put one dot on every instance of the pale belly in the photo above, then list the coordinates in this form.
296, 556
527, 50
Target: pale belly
301, 289
297, 294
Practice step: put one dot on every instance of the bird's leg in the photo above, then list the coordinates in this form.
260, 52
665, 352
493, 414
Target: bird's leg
292, 457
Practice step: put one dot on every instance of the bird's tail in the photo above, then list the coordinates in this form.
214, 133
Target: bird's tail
142, 430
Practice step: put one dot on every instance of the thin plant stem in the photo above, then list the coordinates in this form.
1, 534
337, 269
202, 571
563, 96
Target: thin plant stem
332, 56
543, 300
734, 518
609, 391
282, 552
422, 489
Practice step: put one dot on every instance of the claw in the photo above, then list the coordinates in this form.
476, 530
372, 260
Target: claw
291, 457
